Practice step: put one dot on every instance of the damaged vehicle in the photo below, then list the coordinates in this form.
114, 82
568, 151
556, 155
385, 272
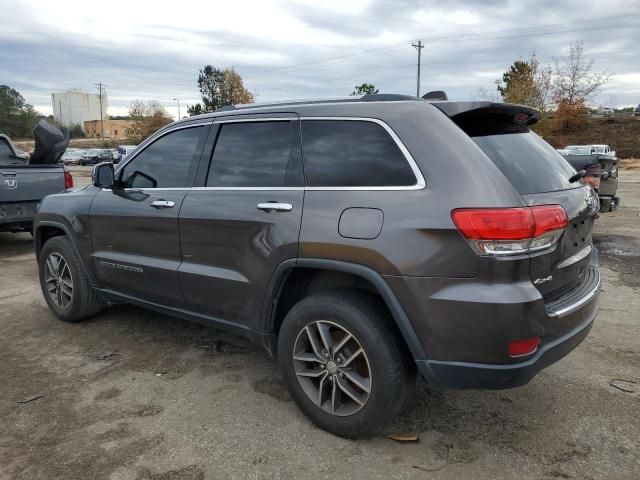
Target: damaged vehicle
24, 182
361, 241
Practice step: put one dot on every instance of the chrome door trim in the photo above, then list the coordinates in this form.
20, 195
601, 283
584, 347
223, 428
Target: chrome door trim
420, 181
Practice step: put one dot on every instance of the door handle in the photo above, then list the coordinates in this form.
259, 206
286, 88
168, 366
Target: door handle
275, 207
162, 204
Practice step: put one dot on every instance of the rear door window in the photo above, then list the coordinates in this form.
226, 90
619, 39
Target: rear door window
352, 153
252, 154
528, 162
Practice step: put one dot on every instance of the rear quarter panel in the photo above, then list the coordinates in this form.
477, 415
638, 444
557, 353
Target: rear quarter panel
418, 237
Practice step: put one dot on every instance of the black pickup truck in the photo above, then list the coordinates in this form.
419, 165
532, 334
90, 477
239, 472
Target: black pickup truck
601, 172
25, 182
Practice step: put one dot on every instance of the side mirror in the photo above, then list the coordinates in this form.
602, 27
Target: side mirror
102, 175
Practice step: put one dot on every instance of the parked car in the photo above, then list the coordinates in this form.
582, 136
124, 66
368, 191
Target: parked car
25, 182
94, 156
637, 111
439, 237
123, 151
601, 167
72, 156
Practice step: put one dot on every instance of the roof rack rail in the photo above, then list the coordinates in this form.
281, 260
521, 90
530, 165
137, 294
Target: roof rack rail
376, 97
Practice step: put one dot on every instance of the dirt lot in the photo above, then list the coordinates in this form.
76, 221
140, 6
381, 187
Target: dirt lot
132, 394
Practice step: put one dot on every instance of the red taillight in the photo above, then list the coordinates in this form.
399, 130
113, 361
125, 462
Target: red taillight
68, 180
505, 231
548, 218
520, 348
495, 224
509, 223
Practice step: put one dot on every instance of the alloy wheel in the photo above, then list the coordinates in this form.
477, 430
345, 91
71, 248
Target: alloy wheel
58, 280
332, 368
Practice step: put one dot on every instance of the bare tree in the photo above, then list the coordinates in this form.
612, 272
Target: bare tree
575, 83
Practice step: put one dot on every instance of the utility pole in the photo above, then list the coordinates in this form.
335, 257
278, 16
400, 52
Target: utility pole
178, 100
101, 117
498, 82
418, 47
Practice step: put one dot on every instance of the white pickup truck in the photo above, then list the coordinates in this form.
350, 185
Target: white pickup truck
25, 182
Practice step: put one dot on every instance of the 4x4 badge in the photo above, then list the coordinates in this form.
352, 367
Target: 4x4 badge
539, 281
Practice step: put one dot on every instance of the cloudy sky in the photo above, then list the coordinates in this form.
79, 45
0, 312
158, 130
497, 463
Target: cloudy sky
301, 49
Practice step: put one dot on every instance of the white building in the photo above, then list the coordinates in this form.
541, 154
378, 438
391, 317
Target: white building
74, 107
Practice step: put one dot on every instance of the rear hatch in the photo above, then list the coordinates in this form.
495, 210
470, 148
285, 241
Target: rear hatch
541, 176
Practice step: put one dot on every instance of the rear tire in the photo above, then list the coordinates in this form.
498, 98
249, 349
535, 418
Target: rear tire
345, 392
64, 282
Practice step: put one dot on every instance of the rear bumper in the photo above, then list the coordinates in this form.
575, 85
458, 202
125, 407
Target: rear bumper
17, 216
467, 375
466, 329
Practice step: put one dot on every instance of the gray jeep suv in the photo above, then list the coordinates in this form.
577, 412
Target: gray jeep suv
358, 240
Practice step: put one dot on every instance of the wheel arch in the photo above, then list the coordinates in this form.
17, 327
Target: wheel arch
46, 230
275, 304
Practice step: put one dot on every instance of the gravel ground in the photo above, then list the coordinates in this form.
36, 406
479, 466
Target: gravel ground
133, 394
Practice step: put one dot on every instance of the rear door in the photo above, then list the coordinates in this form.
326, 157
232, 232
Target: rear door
134, 229
245, 218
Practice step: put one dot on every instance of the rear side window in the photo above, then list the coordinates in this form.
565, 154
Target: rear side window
350, 153
168, 162
251, 154
528, 162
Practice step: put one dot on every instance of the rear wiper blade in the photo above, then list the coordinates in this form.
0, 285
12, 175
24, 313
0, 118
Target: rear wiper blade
577, 176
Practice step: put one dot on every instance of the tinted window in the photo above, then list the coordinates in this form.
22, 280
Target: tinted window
352, 153
252, 154
530, 163
167, 162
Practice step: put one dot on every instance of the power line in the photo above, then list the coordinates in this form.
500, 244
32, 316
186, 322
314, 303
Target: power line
447, 38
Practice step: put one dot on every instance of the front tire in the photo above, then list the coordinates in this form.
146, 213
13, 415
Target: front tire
64, 282
344, 363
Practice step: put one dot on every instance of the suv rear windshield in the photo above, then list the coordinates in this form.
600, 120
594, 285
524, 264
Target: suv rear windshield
528, 162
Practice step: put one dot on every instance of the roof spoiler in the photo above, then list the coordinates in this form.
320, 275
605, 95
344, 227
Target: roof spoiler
435, 95
518, 114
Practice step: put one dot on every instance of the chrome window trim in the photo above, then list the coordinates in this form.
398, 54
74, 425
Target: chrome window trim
419, 185
156, 136
420, 182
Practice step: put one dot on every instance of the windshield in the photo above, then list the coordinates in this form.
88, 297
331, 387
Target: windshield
528, 162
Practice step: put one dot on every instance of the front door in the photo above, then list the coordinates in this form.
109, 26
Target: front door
134, 227
245, 220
